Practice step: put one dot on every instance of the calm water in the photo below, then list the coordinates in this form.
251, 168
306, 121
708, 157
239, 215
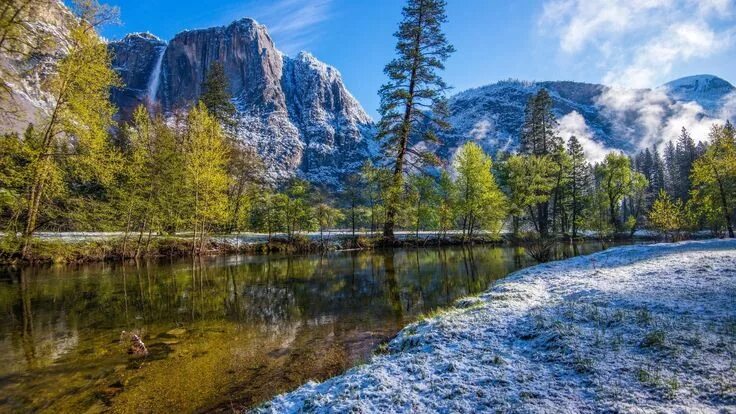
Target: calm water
222, 332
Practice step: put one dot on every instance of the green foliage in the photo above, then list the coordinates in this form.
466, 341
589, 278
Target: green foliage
422, 199
414, 86
530, 180
539, 132
479, 201
616, 180
714, 176
216, 97
668, 217
204, 155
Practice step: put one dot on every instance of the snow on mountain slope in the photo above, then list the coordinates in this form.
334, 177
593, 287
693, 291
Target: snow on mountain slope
603, 118
707, 90
26, 73
295, 112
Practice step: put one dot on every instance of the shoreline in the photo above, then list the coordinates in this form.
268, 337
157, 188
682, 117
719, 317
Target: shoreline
630, 328
80, 248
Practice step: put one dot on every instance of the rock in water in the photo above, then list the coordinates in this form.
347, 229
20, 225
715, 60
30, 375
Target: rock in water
137, 347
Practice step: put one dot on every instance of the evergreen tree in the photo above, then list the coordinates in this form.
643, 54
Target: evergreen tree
685, 153
539, 132
216, 96
413, 89
579, 182
539, 138
671, 169
656, 176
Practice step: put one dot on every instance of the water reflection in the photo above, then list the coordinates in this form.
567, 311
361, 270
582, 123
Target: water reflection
219, 330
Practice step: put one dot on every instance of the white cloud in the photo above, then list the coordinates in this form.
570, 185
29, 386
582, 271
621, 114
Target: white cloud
573, 124
728, 110
640, 40
648, 117
481, 129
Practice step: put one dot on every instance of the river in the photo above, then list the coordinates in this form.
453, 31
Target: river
222, 332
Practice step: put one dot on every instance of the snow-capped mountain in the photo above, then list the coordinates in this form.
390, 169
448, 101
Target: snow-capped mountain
295, 112
25, 72
604, 118
708, 91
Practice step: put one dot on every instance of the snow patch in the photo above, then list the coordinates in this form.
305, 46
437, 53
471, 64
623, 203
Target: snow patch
631, 329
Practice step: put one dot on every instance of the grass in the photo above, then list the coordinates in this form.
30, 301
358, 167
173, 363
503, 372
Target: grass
653, 339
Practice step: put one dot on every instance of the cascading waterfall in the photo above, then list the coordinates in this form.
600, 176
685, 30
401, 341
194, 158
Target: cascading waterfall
155, 79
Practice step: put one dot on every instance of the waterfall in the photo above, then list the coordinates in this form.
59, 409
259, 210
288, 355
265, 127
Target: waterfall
155, 79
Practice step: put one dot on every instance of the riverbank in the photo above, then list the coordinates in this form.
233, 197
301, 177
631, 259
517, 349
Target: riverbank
98, 247
636, 328
90, 247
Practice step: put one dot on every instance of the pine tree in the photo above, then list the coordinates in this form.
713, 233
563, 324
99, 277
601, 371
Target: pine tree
216, 96
685, 157
579, 182
539, 138
671, 169
414, 95
656, 175
539, 132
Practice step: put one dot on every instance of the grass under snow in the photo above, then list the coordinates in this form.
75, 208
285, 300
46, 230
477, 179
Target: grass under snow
633, 329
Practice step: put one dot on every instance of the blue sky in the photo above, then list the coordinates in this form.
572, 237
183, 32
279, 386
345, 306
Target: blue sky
640, 43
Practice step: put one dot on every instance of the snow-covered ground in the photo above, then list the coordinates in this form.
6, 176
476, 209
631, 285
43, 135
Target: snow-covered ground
631, 329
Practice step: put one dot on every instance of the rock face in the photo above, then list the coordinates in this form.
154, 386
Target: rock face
135, 59
26, 73
605, 118
295, 112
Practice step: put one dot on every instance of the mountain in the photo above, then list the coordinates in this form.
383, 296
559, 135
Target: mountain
604, 118
295, 112
707, 90
25, 72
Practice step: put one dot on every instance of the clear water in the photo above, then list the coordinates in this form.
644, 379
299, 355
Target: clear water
222, 332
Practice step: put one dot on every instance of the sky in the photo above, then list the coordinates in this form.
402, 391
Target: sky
632, 43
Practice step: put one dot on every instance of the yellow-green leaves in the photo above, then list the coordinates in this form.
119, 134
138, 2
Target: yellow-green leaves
479, 200
667, 216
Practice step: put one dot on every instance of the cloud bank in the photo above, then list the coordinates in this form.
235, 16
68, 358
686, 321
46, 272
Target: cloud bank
640, 40
573, 124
